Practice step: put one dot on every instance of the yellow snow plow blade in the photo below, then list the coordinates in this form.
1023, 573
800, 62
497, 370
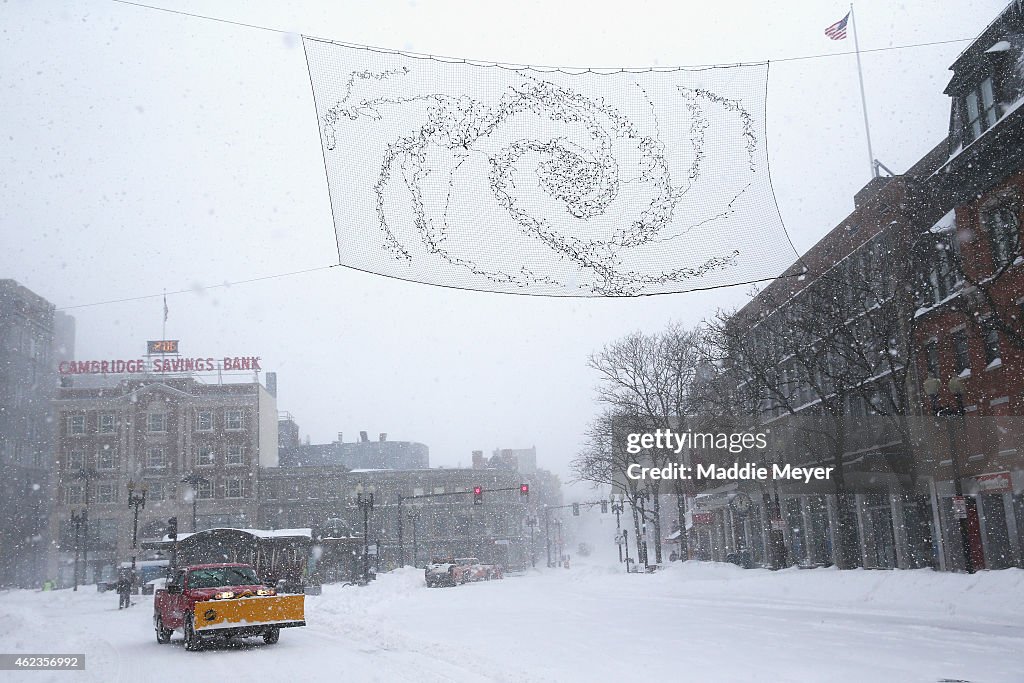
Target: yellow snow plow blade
285, 610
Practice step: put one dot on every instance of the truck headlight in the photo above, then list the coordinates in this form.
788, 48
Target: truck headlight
226, 595
266, 591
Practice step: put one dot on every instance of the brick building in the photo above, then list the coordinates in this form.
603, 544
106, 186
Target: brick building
154, 431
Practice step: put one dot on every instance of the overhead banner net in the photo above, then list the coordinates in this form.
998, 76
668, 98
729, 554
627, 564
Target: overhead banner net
547, 182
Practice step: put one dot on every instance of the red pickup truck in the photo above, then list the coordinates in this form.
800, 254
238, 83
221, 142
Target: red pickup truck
225, 600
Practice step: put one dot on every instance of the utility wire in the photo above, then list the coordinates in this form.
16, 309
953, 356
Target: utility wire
567, 68
192, 290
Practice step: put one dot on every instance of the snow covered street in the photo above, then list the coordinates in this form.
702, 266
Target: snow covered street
699, 622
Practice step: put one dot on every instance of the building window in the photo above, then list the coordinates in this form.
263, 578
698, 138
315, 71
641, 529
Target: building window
932, 356
156, 422
76, 459
204, 421
961, 352
155, 458
76, 424
105, 458
233, 488
234, 456
233, 419
1003, 226
980, 110
992, 353
155, 491
204, 456
74, 494
204, 490
106, 493
106, 423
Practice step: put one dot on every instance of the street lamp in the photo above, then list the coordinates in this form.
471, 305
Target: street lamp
136, 501
79, 520
414, 518
365, 504
641, 496
616, 502
86, 474
194, 480
532, 522
932, 385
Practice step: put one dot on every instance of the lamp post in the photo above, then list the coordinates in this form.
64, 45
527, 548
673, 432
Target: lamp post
547, 532
776, 536
79, 519
414, 518
365, 504
194, 480
136, 501
86, 474
532, 522
956, 387
641, 496
616, 502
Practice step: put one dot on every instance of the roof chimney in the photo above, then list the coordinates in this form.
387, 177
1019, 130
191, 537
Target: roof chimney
340, 440
363, 437
383, 436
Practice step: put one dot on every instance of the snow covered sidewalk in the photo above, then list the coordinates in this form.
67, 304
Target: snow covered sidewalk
698, 622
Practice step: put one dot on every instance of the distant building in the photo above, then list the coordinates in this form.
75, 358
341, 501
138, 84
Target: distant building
33, 338
429, 510
154, 431
362, 454
523, 460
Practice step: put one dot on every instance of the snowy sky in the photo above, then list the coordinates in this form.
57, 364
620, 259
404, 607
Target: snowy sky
144, 151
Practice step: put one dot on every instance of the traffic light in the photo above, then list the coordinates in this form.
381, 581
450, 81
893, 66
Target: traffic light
604, 506
172, 528
478, 495
524, 490
575, 509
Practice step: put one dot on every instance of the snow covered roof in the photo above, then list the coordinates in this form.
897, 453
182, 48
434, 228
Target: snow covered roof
1001, 46
945, 224
259, 533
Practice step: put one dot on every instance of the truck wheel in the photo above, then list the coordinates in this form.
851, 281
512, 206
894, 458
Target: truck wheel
192, 640
271, 635
163, 635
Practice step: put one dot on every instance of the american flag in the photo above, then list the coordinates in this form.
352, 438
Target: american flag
837, 31
165, 308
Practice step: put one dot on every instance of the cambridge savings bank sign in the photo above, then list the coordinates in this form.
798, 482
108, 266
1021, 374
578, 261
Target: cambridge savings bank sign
161, 357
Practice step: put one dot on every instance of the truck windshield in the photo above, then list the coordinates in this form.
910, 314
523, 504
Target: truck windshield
222, 576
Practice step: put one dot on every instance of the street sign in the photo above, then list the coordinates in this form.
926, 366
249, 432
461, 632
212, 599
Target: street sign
618, 539
371, 550
501, 541
703, 517
959, 507
996, 482
778, 525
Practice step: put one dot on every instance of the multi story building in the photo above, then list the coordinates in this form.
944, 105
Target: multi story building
155, 432
33, 338
970, 323
361, 454
429, 511
945, 240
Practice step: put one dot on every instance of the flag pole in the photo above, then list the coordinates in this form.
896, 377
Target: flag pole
863, 100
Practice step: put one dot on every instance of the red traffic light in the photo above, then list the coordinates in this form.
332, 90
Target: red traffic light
478, 495
477, 490
524, 489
